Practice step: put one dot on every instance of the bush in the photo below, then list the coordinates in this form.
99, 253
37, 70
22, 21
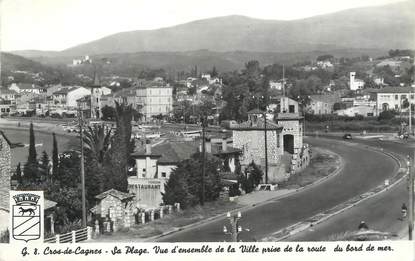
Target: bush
184, 184
386, 115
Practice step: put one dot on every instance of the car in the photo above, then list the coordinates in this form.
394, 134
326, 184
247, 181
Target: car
347, 136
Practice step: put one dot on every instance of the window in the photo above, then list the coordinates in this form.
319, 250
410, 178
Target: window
291, 108
403, 96
396, 97
396, 106
412, 96
163, 174
144, 170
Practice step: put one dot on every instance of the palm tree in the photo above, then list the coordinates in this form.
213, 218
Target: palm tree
97, 142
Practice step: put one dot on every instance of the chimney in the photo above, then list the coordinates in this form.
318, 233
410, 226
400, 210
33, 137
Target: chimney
224, 144
148, 147
208, 145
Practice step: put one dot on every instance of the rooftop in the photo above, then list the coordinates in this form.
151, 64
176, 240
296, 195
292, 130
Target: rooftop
394, 90
115, 193
173, 152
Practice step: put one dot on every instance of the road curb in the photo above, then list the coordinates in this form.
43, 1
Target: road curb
325, 215
245, 208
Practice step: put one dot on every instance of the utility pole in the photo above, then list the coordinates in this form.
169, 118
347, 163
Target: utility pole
283, 80
266, 147
411, 196
81, 123
202, 199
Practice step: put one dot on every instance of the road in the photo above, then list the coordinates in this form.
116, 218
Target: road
381, 212
364, 169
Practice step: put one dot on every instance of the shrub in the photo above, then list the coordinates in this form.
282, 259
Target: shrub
386, 115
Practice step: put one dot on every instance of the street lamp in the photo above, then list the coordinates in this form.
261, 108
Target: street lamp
235, 228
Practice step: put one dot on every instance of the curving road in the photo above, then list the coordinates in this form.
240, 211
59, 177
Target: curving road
381, 212
364, 169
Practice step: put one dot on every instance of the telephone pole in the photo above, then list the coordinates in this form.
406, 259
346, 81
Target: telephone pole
81, 135
202, 198
411, 196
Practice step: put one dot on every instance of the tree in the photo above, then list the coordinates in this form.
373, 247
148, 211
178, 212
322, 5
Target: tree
214, 73
55, 157
108, 113
69, 169
18, 174
116, 160
31, 167
44, 166
97, 142
184, 184
32, 158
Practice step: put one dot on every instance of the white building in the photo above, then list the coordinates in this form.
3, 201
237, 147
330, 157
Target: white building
155, 98
25, 88
66, 98
155, 164
392, 98
355, 84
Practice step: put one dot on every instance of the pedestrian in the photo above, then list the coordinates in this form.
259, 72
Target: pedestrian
363, 226
404, 210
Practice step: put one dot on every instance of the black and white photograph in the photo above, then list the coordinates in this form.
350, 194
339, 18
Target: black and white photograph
185, 121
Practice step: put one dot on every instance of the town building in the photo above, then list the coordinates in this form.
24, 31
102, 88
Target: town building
354, 83
322, 104
392, 98
286, 153
67, 97
7, 101
154, 98
154, 165
26, 88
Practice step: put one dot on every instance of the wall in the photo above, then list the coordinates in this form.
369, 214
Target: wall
147, 191
295, 128
5, 168
150, 166
251, 142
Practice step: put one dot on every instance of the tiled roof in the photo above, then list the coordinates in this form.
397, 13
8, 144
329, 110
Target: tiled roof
27, 86
65, 90
247, 125
175, 151
394, 90
7, 91
325, 98
115, 193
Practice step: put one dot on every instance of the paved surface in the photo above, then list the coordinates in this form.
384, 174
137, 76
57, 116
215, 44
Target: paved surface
364, 169
381, 212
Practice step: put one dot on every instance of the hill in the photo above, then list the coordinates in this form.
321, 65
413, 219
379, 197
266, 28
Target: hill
380, 27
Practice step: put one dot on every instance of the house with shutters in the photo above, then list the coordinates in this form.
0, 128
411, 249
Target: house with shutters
155, 163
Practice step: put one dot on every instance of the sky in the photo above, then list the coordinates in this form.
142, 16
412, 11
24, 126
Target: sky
60, 24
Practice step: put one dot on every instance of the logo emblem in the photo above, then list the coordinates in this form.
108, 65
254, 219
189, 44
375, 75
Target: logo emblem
26, 217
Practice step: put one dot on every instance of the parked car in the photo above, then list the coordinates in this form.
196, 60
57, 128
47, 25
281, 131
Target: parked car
347, 136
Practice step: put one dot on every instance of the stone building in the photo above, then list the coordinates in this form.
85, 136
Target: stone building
5, 168
286, 152
117, 206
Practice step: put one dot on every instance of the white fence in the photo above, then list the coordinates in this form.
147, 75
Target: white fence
75, 236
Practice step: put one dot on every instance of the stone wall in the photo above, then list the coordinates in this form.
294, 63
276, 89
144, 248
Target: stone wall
252, 144
5, 169
295, 128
